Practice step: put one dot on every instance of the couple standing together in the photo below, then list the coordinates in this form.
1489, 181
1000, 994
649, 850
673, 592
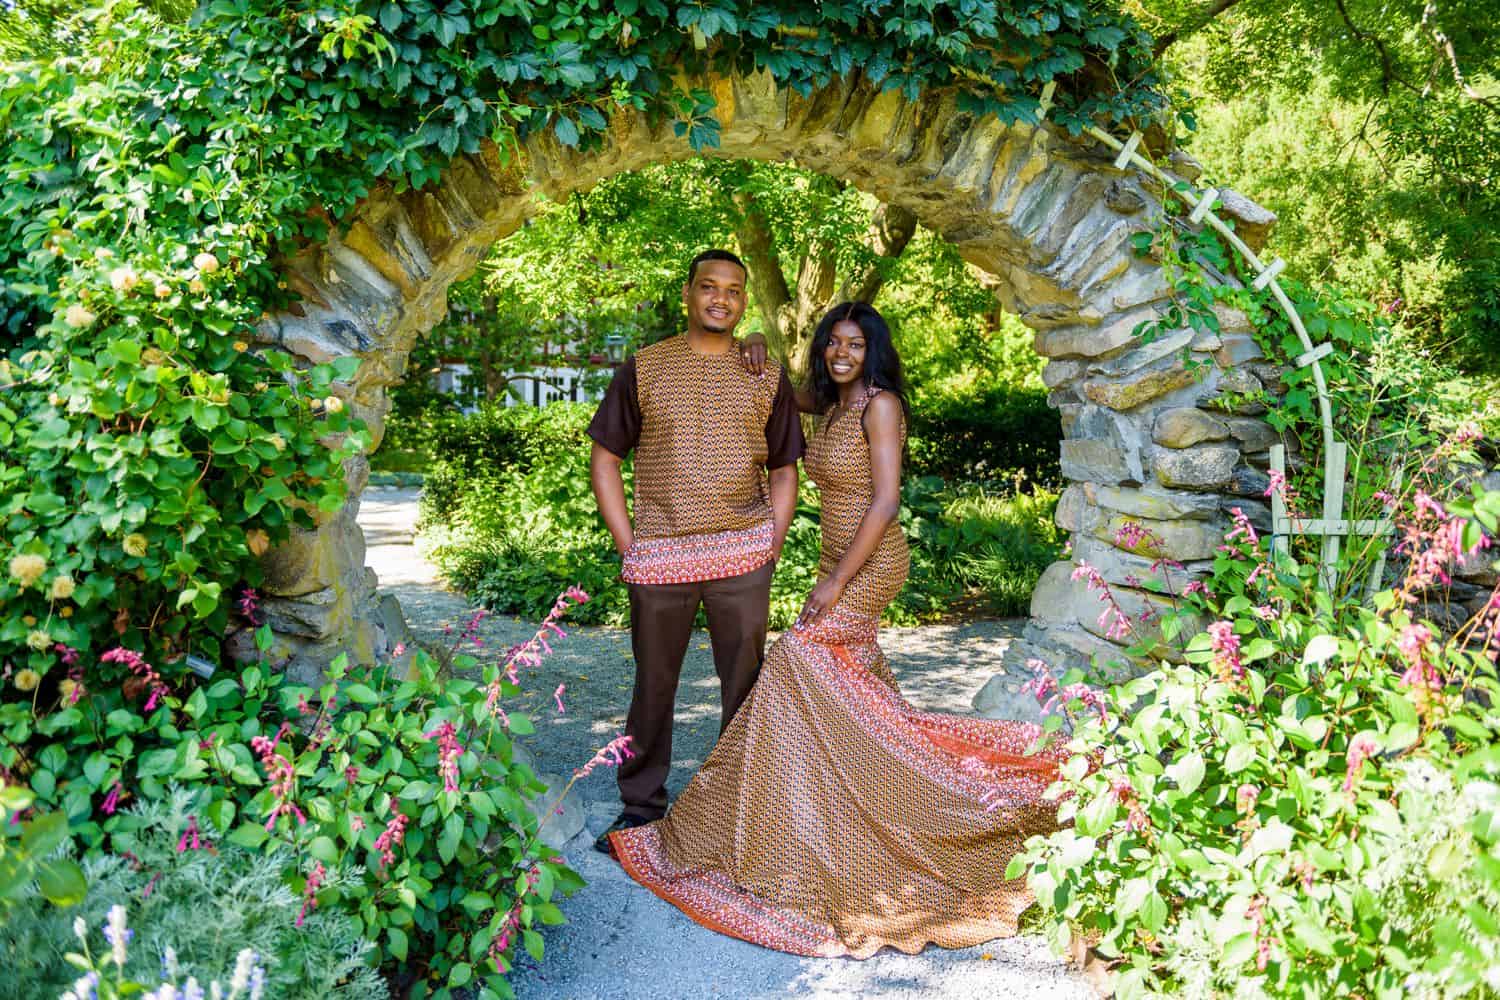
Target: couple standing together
832, 818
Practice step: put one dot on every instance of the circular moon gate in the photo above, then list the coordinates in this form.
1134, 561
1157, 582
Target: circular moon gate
1157, 435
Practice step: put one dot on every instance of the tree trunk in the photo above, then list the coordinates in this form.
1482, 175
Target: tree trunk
767, 283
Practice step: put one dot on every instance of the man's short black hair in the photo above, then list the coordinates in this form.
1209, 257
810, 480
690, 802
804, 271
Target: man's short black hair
714, 255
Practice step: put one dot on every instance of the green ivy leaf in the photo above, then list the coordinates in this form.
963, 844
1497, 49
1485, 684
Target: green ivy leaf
396, 943
250, 835
1187, 772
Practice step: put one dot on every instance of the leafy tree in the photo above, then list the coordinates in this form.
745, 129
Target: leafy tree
1373, 130
612, 262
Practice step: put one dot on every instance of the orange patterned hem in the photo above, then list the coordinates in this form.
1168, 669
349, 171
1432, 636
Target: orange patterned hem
695, 558
712, 901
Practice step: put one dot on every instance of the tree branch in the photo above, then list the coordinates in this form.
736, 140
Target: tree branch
892, 228
1202, 21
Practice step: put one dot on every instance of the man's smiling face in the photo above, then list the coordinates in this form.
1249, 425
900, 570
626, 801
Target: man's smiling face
715, 297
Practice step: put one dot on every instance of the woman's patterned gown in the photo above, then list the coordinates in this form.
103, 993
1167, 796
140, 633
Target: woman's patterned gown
833, 818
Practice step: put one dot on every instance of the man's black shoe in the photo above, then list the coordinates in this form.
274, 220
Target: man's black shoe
624, 822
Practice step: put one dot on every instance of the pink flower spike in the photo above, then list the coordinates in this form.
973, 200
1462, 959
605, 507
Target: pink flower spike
1360, 749
310, 892
189, 840
557, 696
1226, 648
614, 753
448, 753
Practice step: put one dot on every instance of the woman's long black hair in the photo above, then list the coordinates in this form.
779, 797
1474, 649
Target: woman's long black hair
882, 363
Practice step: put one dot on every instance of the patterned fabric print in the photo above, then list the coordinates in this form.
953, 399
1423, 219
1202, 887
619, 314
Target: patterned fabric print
690, 558
699, 464
833, 818
838, 461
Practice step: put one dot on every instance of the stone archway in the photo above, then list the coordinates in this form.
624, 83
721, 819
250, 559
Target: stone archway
1152, 432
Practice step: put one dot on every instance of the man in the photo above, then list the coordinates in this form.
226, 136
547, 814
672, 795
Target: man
716, 451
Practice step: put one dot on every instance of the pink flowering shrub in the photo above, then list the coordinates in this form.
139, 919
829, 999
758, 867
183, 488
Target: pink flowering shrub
408, 776
1310, 806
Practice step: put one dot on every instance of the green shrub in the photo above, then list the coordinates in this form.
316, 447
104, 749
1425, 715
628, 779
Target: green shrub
322, 776
989, 434
206, 903
492, 443
1308, 807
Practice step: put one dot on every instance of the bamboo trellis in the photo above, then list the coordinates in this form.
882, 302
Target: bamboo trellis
1331, 526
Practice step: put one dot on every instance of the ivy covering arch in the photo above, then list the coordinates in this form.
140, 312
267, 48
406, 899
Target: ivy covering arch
200, 237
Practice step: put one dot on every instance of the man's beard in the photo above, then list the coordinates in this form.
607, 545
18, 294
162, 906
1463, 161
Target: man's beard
712, 325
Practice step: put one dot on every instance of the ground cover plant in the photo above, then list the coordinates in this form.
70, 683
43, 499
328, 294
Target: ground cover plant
185, 889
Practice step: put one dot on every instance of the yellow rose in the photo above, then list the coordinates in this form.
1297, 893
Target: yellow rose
206, 262
153, 356
163, 290
62, 588
135, 544
28, 620
79, 316
66, 689
38, 639
54, 399
196, 286
278, 442
333, 404
27, 680
241, 346
123, 279
27, 568
66, 612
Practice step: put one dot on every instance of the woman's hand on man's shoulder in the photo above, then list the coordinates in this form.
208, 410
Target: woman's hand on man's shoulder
753, 354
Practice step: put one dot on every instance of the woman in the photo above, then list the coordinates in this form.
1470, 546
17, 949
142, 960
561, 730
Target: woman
833, 818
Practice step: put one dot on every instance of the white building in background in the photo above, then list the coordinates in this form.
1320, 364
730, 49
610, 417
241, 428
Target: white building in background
582, 381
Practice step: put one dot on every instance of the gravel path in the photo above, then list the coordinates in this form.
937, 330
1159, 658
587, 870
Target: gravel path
621, 942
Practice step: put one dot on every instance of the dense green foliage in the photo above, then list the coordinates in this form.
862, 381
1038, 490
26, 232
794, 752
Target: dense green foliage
1309, 806
1372, 129
992, 434
206, 903
319, 776
511, 535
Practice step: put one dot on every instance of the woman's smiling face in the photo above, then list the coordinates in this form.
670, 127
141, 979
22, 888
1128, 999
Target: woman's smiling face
845, 353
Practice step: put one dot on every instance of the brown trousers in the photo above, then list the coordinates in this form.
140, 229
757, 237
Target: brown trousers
661, 624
